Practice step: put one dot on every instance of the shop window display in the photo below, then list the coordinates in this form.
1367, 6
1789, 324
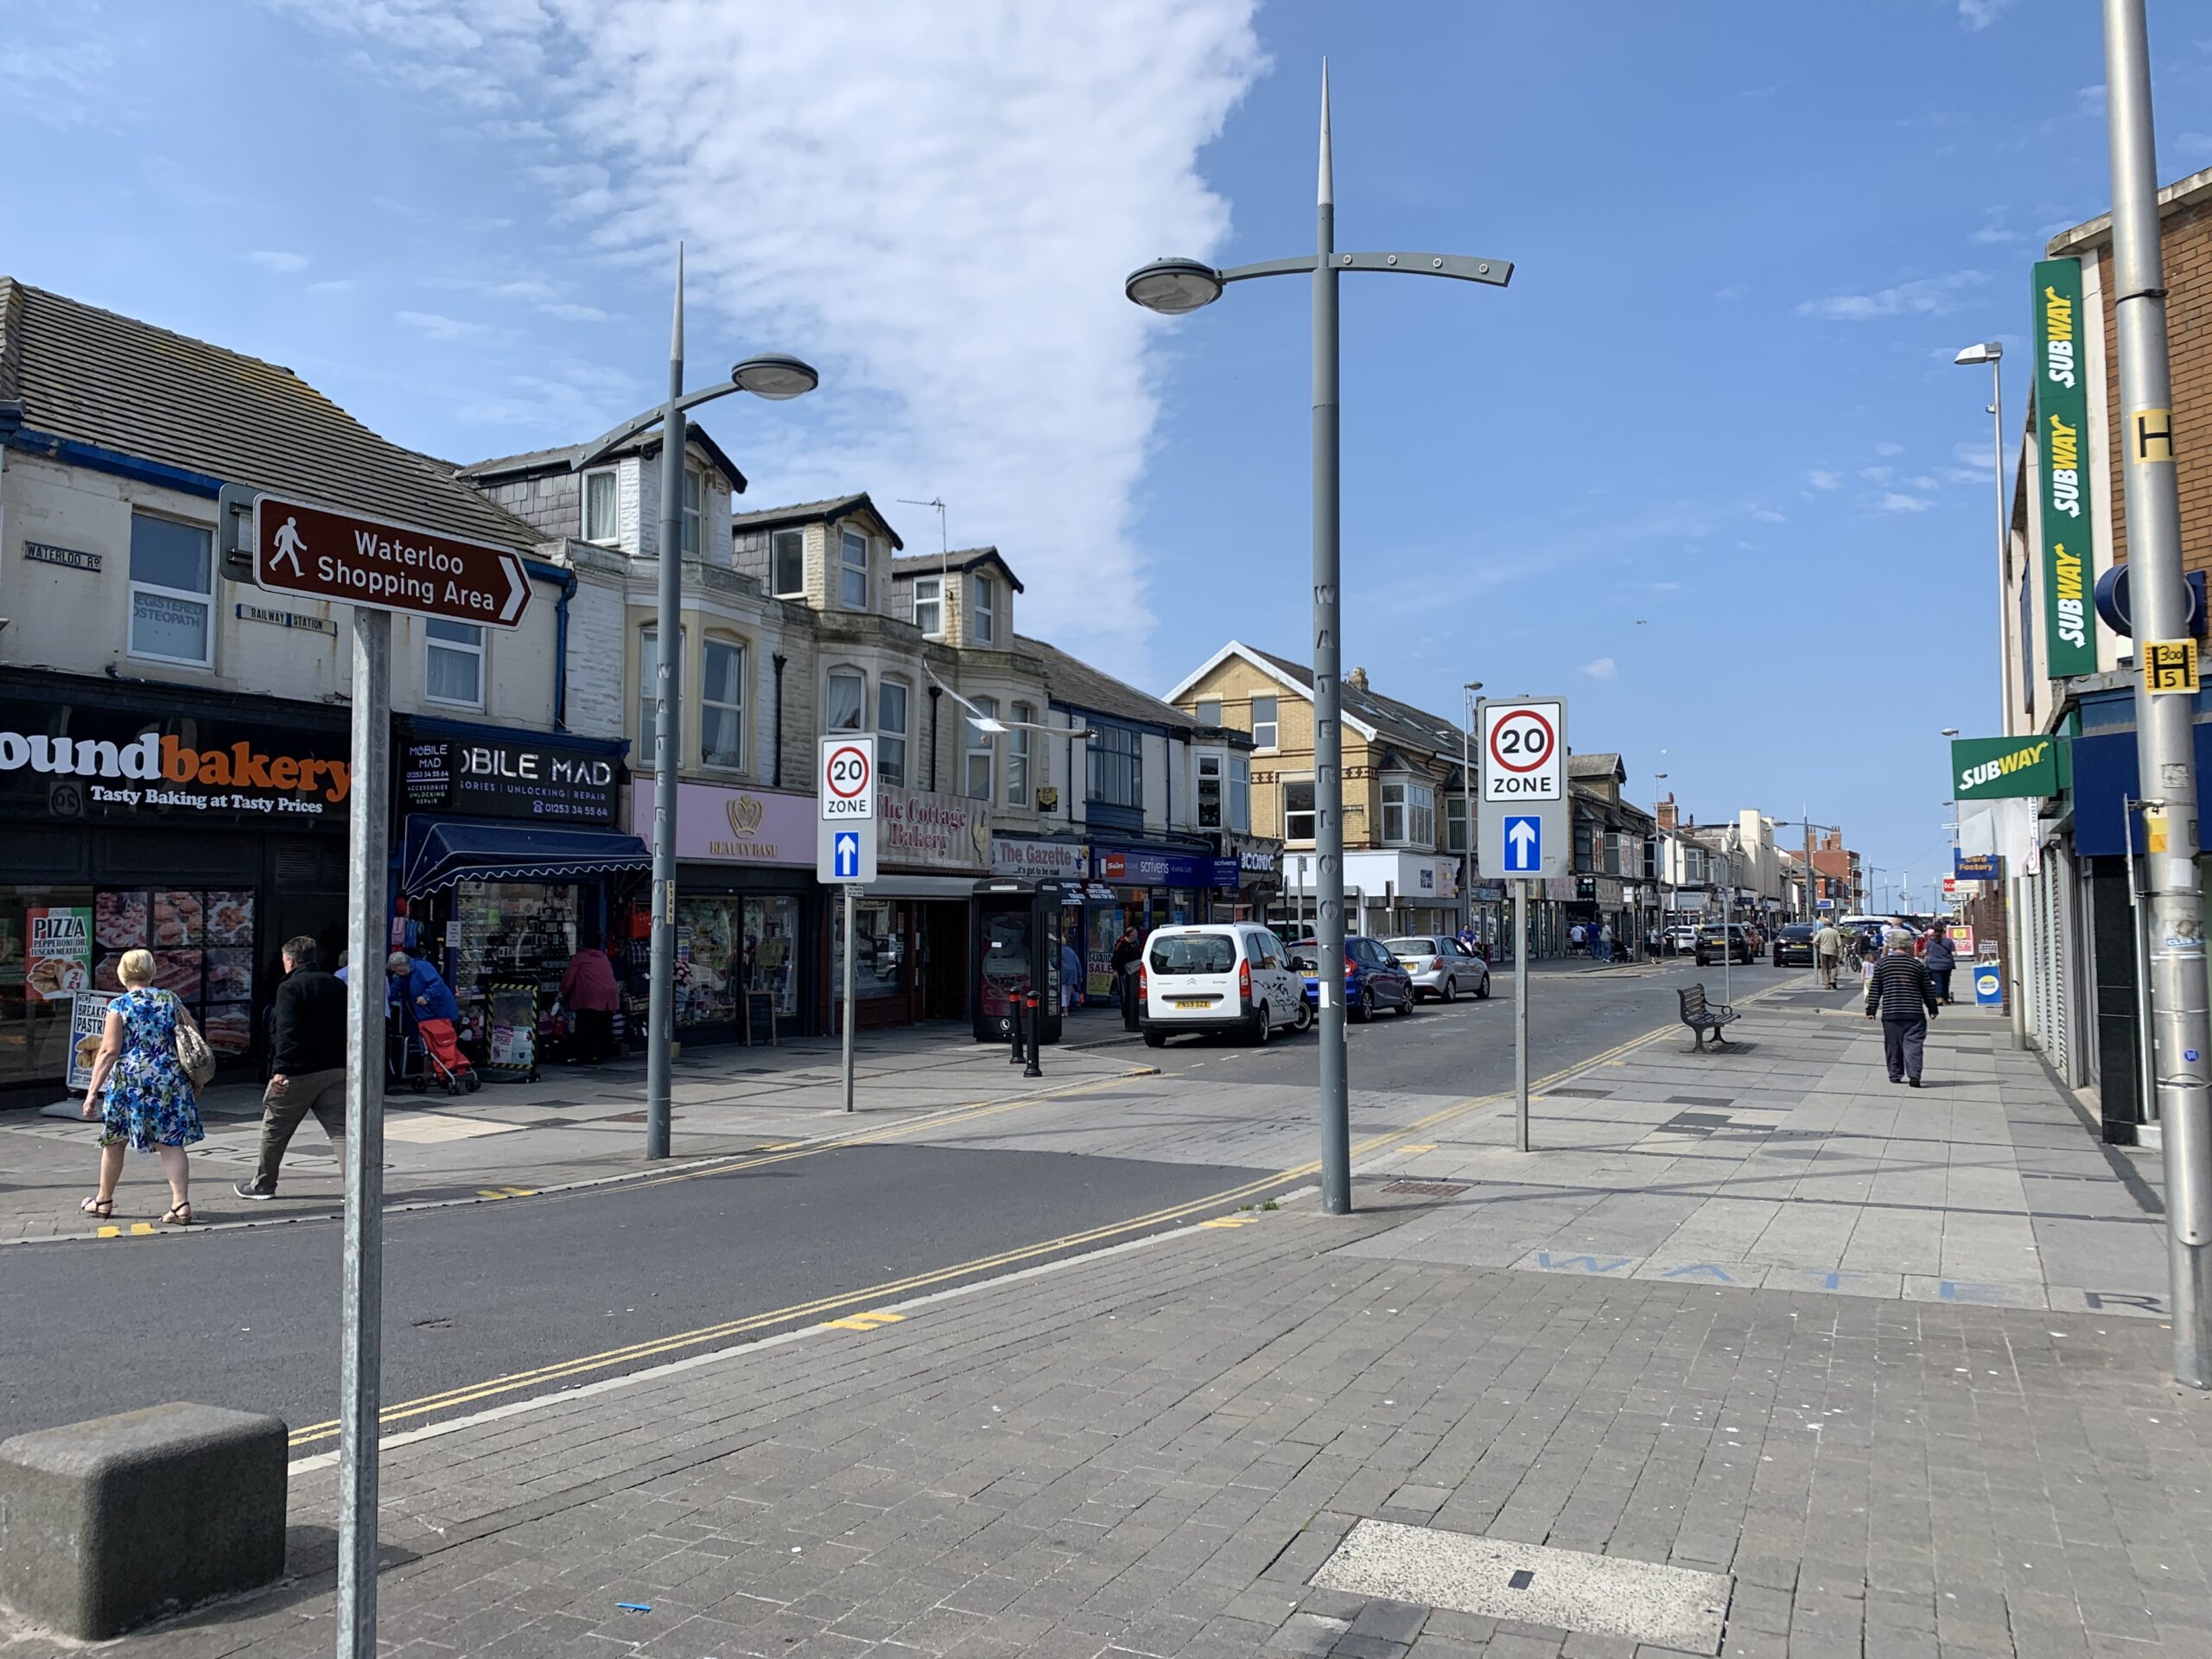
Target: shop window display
203, 942
879, 956
728, 946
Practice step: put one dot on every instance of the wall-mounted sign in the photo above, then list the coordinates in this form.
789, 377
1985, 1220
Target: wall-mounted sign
2062, 404
719, 825
1146, 867
918, 830
1976, 867
1996, 768
286, 618
1022, 856
68, 558
505, 776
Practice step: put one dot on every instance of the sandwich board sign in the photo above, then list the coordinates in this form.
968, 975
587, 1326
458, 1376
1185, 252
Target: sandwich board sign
1522, 831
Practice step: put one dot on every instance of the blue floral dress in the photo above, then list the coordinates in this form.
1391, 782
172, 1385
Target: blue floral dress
148, 1101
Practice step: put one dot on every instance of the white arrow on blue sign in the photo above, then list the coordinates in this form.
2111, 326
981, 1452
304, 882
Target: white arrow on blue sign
848, 855
1524, 844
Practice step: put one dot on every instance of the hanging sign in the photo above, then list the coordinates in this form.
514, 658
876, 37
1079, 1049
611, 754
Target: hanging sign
2061, 406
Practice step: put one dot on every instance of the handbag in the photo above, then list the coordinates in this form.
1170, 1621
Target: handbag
193, 1054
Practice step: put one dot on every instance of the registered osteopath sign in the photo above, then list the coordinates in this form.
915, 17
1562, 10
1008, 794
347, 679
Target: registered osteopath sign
320, 552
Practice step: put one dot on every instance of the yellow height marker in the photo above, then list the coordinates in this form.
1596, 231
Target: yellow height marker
1429, 1147
1229, 1221
506, 1192
864, 1321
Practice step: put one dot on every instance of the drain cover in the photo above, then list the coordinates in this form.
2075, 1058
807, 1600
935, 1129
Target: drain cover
1586, 1094
1601, 1595
1428, 1189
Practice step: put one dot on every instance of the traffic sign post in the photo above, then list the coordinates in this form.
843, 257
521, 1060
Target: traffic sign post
1523, 832
844, 852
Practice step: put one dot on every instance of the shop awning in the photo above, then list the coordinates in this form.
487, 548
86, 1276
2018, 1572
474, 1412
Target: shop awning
440, 852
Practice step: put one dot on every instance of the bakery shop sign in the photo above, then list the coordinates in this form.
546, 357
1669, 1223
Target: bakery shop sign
88, 760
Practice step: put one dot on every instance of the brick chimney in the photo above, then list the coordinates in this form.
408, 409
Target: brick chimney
1356, 680
1666, 811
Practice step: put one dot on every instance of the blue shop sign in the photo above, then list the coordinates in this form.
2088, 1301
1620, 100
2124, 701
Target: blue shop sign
2105, 779
1144, 867
1975, 867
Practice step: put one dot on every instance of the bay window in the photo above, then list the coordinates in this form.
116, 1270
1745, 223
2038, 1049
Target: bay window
1209, 789
845, 708
891, 732
982, 751
1017, 756
1116, 767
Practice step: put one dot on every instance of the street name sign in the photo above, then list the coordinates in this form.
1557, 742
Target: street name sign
845, 783
1522, 831
319, 552
844, 854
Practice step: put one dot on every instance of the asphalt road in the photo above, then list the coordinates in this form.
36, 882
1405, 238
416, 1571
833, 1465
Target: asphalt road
249, 1318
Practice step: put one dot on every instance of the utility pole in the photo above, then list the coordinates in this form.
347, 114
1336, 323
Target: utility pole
2165, 737
1328, 702
668, 747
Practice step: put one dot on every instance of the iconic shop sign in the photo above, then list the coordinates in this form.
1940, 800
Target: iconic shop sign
65, 758
503, 776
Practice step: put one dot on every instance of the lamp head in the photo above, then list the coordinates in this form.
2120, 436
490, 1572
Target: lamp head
1988, 352
774, 376
1950, 731
1174, 286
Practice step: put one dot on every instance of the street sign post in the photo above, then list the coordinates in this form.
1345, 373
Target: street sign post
318, 552
844, 854
1523, 832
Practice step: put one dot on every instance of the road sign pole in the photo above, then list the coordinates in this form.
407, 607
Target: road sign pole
1520, 1013
361, 1332
668, 753
852, 891
1328, 702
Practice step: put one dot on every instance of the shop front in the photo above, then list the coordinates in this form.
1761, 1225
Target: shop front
1259, 877
205, 827
748, 922
509, 858
1148, 887
911, 926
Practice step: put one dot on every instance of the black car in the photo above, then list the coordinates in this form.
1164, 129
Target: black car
1793, 944
1733, 941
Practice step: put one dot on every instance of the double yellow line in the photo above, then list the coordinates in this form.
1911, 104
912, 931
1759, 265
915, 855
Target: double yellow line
616, 1358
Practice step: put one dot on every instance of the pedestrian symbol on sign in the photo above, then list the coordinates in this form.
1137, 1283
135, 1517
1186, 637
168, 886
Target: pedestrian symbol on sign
1524, 843
288, 542
848, 855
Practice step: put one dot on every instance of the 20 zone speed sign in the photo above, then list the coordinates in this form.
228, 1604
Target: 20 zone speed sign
1522, 757
846, 781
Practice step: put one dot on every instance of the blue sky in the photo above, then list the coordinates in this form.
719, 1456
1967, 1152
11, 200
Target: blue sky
1705, 467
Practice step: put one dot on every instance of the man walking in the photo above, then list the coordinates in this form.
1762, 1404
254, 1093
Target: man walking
1940, 959
1124, 964
1900, 988
1070, 977
1828, 952
307, 1040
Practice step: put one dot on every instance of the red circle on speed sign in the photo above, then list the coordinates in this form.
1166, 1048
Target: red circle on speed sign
1522, 740
847, 766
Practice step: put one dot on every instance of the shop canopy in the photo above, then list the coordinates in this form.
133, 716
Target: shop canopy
439, 853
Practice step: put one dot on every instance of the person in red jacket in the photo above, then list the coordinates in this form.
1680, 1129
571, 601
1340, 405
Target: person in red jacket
587, 986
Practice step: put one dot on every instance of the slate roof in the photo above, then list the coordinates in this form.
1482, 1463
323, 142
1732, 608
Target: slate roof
807, 512
1595, 766
906, 567
538, 462
1399, 721
1075, 682
91, 377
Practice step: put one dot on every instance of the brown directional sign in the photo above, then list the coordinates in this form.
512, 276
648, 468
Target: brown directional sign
319, 552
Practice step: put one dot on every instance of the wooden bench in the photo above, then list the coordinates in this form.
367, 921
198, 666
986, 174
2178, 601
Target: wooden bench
1704, 1018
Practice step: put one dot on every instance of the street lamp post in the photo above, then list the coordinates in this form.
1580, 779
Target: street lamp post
773, 376
1467, 806
1666, 864
1174, 286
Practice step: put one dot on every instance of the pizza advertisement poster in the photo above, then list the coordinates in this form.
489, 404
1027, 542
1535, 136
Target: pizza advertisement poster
58, 953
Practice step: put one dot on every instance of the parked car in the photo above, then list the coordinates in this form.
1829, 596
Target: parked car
1681, 940
1439, 966
1793, 942
1373, 977
1733, 940
1222, 976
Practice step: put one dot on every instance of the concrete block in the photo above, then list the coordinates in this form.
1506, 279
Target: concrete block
106, 1524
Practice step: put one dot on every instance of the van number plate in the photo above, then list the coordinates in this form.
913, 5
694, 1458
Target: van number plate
1193, 1002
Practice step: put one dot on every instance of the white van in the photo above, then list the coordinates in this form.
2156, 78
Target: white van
1218, 976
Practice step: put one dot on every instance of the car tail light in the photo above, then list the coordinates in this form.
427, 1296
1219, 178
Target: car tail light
1351, 967
1436, 964
1243, 982
1144, 983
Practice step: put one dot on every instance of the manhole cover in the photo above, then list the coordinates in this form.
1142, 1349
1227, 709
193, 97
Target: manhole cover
1492, 1577
1428, 1189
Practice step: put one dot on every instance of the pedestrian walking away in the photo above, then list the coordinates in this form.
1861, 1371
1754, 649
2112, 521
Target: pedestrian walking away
1574, 939
307, 1064
1070, 976
425, 996
1827, 953
587, 986
1126, 953
1902, 992
1941, 959
1605, 941
140, 1090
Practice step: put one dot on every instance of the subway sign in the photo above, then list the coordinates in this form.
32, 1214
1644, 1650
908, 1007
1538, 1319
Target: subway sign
1999, 768
2062, 412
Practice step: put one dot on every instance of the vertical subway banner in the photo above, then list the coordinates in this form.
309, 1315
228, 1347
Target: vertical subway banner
2061, 407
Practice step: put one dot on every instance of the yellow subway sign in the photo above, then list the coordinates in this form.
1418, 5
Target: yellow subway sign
2062, 408
1994, 768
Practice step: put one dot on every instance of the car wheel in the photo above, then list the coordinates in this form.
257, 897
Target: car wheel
1305, 1021
1407, 1006
1364, 1010
1155, 1039
1263, 1027
1450, 991
1482, 986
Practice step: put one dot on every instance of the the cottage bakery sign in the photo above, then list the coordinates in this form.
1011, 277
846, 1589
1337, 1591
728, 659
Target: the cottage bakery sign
918, 830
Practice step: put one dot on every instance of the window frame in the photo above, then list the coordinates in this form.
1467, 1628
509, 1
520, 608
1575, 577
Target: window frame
1240, 793
1018, 782
847, 540
982, 625
205, 599
694, 531
979, 745
1217, 779
1272, 736
797, 542
646, 752
935, 599
707, 646
845, 673
478, 650
1104, 760
1455, 824
1311, 812
1208, 712
613, 537
888, 738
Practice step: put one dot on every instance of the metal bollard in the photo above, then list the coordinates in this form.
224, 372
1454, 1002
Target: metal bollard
1014, 1026
1036, 1037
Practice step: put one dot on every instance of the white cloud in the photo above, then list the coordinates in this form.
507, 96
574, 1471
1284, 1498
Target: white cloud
1602, 669
1922, 481
1895, 501
1978, 14
1926, 296
1975, 456
1889, 448
1666, 586
942, 222
2092, 100
1732, 293
1961, 475
1822, 479
1876, 474
1768, 516
438, 326
278, 262
336, 285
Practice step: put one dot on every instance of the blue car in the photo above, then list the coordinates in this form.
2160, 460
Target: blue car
1373, 977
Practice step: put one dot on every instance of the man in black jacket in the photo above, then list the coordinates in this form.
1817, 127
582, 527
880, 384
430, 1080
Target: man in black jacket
1124, 964
1906, 997
307, 1041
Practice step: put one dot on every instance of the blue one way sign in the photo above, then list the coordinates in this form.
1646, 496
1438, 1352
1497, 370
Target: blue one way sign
845, 852
1524, 844
848, 855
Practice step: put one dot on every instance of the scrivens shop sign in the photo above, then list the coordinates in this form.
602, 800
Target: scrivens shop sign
87, 760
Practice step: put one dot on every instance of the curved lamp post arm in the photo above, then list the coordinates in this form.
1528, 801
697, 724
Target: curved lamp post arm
608, 442
1495, 272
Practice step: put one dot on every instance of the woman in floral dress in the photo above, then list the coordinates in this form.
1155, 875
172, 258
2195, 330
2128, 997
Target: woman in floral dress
140, 1091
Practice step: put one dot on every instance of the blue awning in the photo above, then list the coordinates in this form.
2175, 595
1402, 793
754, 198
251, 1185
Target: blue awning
440, 852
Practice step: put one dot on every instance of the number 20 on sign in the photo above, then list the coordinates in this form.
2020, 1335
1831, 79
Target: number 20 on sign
2170, 666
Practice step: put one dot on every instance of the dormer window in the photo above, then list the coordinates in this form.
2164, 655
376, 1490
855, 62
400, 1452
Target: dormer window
853, 580
983, 627
928, 606
787, 564
602, 509
694, 513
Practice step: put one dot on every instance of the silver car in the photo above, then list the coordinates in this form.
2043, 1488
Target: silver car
1439, 966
